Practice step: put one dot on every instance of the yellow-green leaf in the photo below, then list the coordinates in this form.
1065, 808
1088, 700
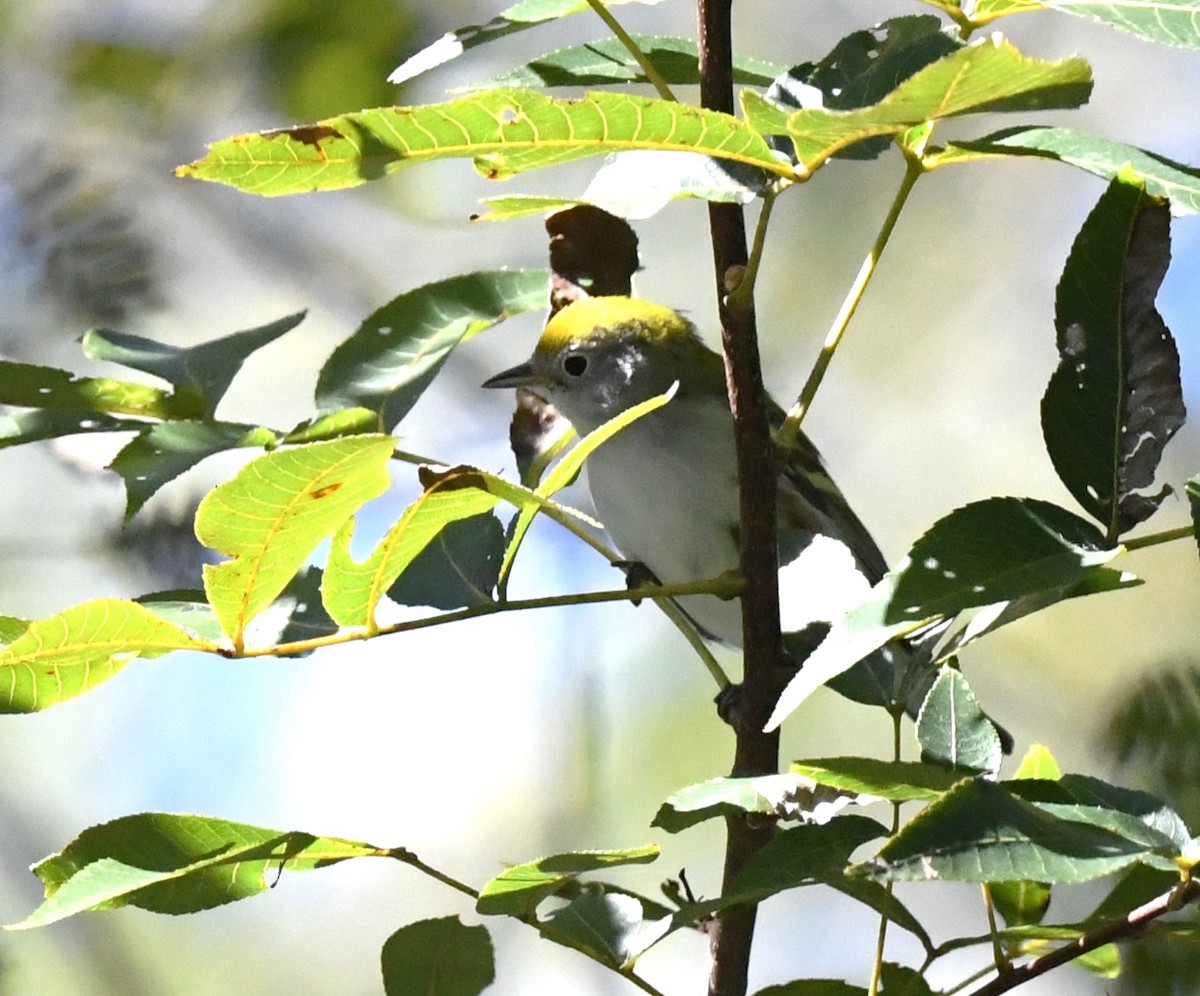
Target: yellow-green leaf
273, 514
503, 131
58, 658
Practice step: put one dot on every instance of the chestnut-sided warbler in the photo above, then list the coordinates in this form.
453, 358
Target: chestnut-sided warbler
665, 486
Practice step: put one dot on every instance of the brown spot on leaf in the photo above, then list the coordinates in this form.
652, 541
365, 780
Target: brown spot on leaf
326, 491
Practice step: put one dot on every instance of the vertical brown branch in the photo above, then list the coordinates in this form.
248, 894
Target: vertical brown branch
756, 752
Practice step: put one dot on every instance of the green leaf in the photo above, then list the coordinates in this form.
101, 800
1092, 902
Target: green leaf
988, 75
504, 131
896, 781
1178, 183
47, 388
458, 569
29, 427
169, 863
1116, 399
607, 61
521, 206
1039, 763
900, 980
1171, 22
519, 17
521, 888
351, 591
775, 796
273, 514
982, 832
610, 926
200, 374
997, 550
954, 731
163, 451
335, 425
441, 957
1021, 903
58, 658
394, 355
859, 633
863, 68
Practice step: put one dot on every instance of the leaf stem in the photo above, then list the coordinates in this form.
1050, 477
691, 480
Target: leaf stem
788, 432
632, 47
998, 957
741, 297
406, 856
881, 937
1155, 539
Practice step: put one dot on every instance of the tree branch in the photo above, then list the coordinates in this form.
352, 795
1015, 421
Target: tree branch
1118, 930
756, 752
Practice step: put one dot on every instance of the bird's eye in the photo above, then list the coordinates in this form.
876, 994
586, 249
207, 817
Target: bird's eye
574, 364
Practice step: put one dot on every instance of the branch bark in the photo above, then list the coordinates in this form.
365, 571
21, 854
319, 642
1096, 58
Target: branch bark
756, 752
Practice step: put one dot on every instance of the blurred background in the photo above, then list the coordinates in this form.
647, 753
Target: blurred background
505, 739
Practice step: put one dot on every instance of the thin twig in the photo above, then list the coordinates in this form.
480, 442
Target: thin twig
791, 426
652, 75
725, 586
1155, 539
881, 937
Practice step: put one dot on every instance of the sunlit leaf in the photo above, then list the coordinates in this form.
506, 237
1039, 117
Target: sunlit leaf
782, 797
441, 957
1116, 398
170, 863
29, 427
200, 374
1171, 22
58, 658
504, 131
273, 514
394, 355
988, 75
897, 781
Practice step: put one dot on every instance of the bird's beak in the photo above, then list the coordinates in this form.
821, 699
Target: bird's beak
521, 375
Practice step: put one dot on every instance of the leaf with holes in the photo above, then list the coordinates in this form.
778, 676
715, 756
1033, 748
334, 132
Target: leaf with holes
273, 514
55, 659
1116, 399
26, 385
504, 131
397, 351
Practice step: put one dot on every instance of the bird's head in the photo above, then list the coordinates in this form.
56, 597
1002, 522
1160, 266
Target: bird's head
601, 355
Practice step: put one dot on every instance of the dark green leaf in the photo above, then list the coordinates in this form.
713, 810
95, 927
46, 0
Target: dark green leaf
802, 855
394, 355
335, 425
882, 901
200, 374
521, 888
608, 61
458, 569
1178, 183
1143, 806
1115, 400
863, 68
954, 731
997, 550
900, 980
170, 863
982, 832
612, 927
1171, 22
441, 957
163, 451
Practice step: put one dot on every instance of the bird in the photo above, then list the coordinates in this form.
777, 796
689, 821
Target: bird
665, 487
